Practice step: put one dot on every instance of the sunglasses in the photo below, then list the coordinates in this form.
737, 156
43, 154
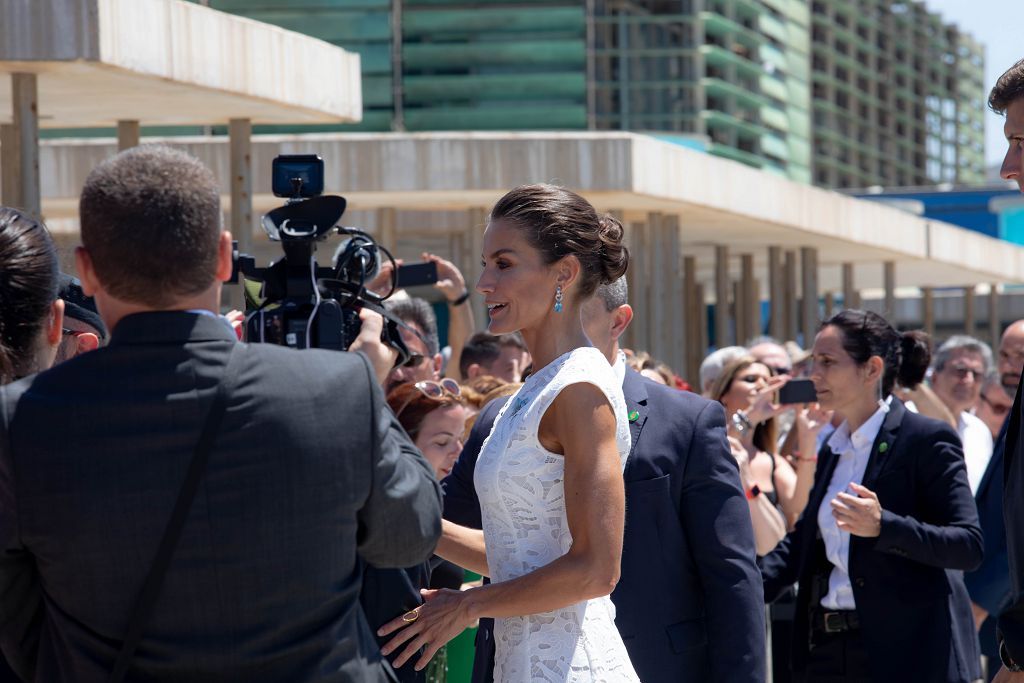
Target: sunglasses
999, 409
961, 372
434, 390
413, 360
70, 333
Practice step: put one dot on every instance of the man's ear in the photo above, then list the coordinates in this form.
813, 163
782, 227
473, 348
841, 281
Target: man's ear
86, 273
225, 256
620, 320
438, 363
473, 371
86, 342
55, 324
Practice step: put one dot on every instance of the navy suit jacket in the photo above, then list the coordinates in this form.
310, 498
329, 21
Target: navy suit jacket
689, 601
989, 584
907, 582
1011, 621
309, 475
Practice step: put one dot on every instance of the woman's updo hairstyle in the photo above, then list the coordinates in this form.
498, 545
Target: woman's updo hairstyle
28, 286
558, 222
906, 355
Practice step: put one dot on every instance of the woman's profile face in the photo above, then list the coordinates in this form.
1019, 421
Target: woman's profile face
747, 382
518, 287
837, 377
440, 438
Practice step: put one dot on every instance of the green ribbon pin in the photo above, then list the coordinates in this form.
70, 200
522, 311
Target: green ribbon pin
883, 447
634, 416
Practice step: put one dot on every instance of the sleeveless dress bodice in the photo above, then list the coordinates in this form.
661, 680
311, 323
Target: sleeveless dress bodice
521, 490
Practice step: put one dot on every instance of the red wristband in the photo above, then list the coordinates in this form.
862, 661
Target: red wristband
753, 492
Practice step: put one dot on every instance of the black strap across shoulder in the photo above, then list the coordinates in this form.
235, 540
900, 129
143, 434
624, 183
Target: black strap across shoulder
146, 600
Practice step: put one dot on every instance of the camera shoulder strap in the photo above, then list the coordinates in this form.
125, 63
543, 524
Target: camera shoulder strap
146, 600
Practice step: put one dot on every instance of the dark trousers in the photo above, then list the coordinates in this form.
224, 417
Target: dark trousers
837, 658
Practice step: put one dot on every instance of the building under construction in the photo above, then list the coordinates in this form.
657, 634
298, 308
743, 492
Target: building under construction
879, 92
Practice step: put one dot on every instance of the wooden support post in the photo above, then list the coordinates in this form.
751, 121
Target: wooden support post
477, 224
969, 315
739, 313
809, 283
659, 322
10, 166
240, 141
928, 311
387, 230
776, 293
994, 323
849, 289
675, 327
129, 134
723, 336
693, 312
25, 97
640, 294
830, 304
790, 297
889, 276
748, 293
702, 318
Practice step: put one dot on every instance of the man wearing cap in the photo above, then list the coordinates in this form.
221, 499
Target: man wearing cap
84, 330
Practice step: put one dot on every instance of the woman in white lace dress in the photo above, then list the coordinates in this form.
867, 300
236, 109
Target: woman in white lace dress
549, 477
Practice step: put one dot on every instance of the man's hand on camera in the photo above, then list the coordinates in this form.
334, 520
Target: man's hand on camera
381, 356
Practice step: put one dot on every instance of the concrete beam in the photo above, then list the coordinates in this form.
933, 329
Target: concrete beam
241, 182
693, 311
751, 305
849, 288
790, 297
994, 331
10, 166
928, 310
889, 285
969, 313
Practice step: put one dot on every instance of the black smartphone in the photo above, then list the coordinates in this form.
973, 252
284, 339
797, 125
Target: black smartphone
416, 274
798, 391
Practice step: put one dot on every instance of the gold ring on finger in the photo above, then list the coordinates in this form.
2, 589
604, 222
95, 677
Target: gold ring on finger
411, 615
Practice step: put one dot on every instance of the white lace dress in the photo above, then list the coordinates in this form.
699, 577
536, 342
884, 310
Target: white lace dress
522, 501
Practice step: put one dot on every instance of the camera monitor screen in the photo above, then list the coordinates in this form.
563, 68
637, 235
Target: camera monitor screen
298, 175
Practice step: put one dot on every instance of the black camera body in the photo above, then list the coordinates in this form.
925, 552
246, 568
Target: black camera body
296, 302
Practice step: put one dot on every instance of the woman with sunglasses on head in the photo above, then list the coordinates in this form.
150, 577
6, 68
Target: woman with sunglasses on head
549, 476
433, 414
890, 524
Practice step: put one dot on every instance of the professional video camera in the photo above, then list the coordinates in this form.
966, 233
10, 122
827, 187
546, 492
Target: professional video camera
296, 302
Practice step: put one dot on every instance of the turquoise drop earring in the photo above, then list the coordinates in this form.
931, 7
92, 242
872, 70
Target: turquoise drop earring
558, 298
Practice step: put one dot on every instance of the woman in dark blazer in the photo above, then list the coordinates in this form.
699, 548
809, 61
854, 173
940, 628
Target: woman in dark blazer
889, 527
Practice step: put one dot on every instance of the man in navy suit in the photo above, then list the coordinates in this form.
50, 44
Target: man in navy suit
689, 601
989, 584
1007, 97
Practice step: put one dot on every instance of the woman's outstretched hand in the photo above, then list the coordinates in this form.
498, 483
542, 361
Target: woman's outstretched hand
443, 616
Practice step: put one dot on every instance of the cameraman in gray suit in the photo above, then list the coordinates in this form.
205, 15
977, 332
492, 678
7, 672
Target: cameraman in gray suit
306, 470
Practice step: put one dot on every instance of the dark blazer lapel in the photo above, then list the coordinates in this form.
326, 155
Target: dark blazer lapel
636, 405
881, 456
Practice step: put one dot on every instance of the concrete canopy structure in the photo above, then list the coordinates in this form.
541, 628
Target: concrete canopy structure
93, 63
169, 62
698, 226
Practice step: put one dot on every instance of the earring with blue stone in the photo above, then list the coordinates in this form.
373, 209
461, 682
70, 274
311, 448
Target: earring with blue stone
558, 298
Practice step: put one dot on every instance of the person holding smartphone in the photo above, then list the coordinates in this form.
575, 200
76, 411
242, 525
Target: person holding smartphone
890, 524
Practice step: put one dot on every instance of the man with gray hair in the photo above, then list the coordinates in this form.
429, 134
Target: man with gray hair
958, 371
712, 366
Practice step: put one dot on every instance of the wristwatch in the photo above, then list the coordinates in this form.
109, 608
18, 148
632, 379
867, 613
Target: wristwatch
741, 423
1004, 656
461, 300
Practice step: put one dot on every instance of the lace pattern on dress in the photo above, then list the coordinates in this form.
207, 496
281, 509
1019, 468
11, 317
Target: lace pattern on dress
522, 499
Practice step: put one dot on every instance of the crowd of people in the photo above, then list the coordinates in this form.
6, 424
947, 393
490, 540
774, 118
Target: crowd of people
176, 504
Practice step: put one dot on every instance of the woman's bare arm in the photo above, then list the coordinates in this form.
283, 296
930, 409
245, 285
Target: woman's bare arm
463, 546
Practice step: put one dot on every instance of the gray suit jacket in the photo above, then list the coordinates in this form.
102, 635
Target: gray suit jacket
310, 471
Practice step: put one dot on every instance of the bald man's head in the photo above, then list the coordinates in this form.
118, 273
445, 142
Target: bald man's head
1011, 357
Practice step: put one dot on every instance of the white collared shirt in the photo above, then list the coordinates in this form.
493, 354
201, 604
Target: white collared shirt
977, 443
619, 366
853, 451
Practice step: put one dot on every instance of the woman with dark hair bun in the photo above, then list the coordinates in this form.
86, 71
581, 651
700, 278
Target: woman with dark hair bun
31, 315
889, 527
549, 476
